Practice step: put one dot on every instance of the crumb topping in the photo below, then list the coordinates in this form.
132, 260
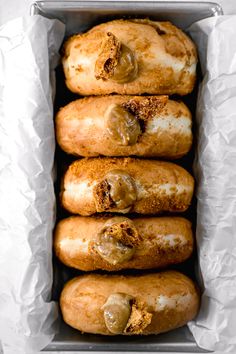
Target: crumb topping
139, 318
145, 108
108, 57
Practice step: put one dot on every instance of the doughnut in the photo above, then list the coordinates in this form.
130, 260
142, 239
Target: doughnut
146, 126
129, 305
125, 185
130, 57
113, 243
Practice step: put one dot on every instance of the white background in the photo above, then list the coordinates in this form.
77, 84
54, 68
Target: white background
10, 9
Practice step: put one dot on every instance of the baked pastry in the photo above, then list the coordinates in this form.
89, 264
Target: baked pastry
129, 305
118, 242
125, 125
125, 185
130, 57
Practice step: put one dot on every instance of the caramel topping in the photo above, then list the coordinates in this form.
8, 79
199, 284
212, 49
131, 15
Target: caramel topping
116, 191
125, 314
113, 251
117, 240
122, 188
122, 126
123, 229
117, 310
115, 61
127, 68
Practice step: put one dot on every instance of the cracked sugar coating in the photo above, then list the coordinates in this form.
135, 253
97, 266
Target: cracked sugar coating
130, 57
163, 187
83, 298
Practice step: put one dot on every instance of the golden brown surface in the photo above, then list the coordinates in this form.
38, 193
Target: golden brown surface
160, 302
90, 127
141, 186
130, 57
160, 242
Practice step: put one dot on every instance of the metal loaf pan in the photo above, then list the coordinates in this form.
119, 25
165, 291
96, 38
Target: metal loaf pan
79, 16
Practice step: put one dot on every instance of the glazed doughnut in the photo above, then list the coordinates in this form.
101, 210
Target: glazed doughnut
125, 185
125, 125
129, 305
113, 243
130, 57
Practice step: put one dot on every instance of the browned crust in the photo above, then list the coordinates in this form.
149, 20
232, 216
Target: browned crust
152, 250
82, 299
77, 136
94, 170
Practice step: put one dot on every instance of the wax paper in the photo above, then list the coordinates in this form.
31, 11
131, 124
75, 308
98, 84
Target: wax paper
28, 54
215, 172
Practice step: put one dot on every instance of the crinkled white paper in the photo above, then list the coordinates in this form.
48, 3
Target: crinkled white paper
215, 169
28, 55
